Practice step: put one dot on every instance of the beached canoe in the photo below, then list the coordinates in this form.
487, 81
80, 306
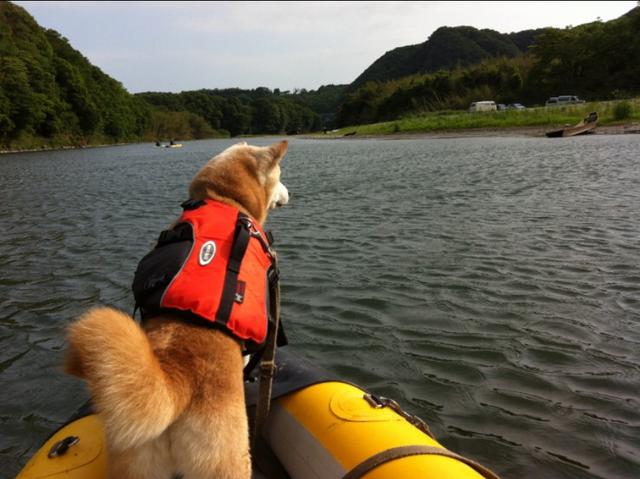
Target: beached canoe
585, 127
318, 428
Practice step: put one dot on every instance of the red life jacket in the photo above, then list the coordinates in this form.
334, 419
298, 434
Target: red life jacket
214, 264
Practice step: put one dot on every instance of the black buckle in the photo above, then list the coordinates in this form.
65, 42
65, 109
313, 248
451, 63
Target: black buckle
181, 232
166, 236
273, 275
192, 204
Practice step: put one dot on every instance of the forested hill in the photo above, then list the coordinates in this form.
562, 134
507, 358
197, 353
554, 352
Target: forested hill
448, 47
236, 111
49, 90
51, 96
596, 61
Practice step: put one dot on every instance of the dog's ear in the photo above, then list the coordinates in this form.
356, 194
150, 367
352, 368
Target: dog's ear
277, 151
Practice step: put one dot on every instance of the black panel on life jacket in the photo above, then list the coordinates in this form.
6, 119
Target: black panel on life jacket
156, 270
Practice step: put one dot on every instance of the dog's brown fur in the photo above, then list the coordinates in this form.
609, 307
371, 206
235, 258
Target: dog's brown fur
171, 395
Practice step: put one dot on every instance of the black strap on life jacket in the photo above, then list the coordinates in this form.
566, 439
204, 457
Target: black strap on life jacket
230, 293
273, 311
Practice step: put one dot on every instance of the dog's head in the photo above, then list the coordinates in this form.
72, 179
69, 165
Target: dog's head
245, 176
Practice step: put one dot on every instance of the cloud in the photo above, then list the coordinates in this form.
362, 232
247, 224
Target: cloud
277, 18
147, 45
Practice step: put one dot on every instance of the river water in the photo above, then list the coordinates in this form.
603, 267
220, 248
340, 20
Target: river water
490, 285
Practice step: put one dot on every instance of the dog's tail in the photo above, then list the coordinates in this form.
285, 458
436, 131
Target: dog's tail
133, 395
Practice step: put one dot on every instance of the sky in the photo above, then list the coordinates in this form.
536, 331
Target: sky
176, 46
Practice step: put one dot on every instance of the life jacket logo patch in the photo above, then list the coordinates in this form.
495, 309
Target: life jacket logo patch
207, 253
239, 296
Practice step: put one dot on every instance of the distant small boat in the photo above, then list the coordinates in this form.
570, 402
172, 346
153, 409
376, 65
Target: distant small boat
169, 145
585, 127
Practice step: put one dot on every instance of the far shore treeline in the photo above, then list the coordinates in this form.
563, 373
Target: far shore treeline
52, 96
596, 61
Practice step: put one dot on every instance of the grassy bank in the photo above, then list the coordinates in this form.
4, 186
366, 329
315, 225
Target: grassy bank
530, 117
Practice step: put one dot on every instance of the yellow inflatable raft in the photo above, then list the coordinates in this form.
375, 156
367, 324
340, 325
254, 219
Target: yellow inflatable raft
322, 430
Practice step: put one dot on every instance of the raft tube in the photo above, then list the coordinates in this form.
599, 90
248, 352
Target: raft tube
317, 429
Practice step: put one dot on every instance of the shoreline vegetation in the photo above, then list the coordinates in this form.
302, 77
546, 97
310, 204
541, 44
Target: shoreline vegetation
614, 117
532, 122
34, 144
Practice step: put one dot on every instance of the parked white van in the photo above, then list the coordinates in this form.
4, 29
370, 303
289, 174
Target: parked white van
563, 100
483, 106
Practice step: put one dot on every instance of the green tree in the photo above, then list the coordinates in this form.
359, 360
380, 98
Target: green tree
237, 117
266, 116
24, 111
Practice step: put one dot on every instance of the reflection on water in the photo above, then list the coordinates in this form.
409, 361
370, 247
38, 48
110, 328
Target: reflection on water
489, 285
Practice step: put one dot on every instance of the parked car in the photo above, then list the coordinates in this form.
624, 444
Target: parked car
487, 105
502, 106
515, 106
563, 100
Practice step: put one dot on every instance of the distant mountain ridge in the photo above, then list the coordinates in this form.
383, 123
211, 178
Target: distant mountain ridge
596, 61
447, 48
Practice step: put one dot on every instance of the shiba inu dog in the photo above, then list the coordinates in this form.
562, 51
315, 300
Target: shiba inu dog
170, 392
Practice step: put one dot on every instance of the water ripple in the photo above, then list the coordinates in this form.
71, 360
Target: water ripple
491, 286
